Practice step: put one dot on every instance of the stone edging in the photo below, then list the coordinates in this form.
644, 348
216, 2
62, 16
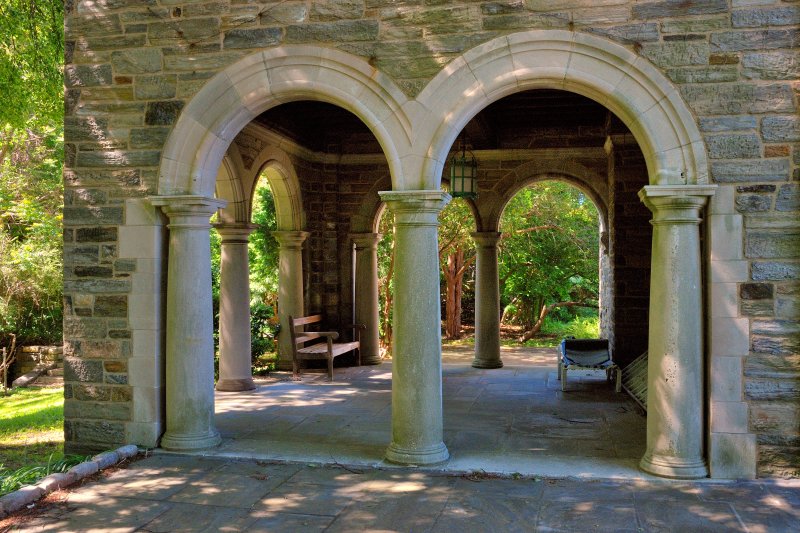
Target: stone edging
14, 501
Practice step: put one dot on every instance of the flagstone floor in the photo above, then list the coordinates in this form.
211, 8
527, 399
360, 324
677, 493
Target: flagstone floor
510, 420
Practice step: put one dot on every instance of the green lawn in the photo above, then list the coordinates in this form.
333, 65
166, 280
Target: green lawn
31, 427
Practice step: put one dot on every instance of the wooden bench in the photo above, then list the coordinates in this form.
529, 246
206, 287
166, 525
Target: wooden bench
324, 350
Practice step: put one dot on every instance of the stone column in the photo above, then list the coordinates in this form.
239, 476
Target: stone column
366, 301
190, 328
235, 358
487, 302
417, 428
675, 410
290, 289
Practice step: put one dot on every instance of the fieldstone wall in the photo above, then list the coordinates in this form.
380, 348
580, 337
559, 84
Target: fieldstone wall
132, 65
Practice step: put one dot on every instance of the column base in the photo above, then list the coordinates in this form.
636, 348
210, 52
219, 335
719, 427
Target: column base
673, 468
235, 385
482, 363
371, 360
185, 443
417, 456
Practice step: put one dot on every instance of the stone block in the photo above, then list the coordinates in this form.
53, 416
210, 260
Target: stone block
780, 128
725, 379
162, 113
695, 24
740, 146
140, 212
87, 75
155, 87
145, 434
119, 158
756, 291
93, 271
83, 254
180, 30
775, 271
84, 328
147, 404
336, 10
729, 336
773, 389
137, 61
340, 31
779, 244
788, 307
111, 306
153, 137
140, 241
673, 54
252, 38
633, 33
677, 8
96, 234
723, 300
14, 501
775, 327
85, 469
725, 236
774, 418
788, 198
144, 311
732, 456
729, 417
740, 98
86, 129
768, 16
104, 410
83, 370
758, 170
56, 481
89, 285
753, 203
774, 65
199, 62
722, 202
786, 347
713, 74
738, 41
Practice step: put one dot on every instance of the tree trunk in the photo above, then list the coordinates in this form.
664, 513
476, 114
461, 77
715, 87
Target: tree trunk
386, 339
454, 276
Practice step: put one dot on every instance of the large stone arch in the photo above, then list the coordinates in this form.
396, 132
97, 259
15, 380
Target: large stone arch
626, 83
234, 97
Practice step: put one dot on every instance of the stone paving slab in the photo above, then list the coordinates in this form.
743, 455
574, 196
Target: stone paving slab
245, 495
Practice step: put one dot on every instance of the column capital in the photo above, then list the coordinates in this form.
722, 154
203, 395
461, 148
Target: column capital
416, 208
289, 240
234, 233
366, 240
188, 211
486, 239
676, 204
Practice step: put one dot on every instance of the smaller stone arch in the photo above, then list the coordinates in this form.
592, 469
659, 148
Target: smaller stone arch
579, 176
277, 167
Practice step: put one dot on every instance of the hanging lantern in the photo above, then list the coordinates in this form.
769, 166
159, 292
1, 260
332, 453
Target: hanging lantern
463, 175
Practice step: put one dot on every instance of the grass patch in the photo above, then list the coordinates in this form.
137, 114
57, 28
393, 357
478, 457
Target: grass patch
31, 428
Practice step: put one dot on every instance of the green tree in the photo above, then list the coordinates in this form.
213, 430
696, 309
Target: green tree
548, 253
456, 256
31, 63
31, 157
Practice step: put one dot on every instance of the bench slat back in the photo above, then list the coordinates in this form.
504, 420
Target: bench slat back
300, 337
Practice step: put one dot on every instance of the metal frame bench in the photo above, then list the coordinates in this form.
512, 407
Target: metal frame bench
325, 350
587, 354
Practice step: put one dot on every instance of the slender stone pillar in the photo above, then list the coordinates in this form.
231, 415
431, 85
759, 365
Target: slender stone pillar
290, 289
487, 302
235, 358
366, 300
417, 428
675, 409
190, 328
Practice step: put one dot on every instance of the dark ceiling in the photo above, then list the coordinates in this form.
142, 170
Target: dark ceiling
530, 119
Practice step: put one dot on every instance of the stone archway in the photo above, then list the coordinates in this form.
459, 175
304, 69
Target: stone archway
651, 107
187, 178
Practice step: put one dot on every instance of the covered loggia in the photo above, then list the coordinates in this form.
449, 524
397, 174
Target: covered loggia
415, 136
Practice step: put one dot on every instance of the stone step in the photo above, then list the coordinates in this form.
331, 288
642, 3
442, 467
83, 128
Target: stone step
48, 381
